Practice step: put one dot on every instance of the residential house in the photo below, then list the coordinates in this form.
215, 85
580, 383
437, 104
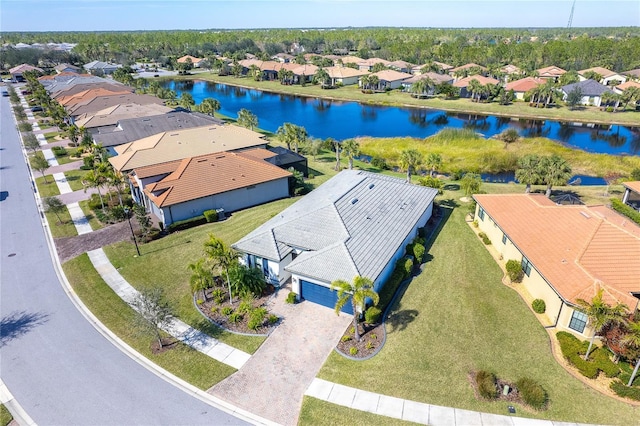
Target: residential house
608, 77
304, 73
60, 68
463, 83
591, 91
281, 157
635, 73
620, 88
183, 189
390, 79
631, 195
433, 76
464, 70
367, 64
401, 66
56, 84
100, 68
102, 102
106, 120
68, 101
17, 72
343, 60
550, 72
442, 67
567, 253
510, 70
522, 86
283, 57
194, 61
356, 223
345, 76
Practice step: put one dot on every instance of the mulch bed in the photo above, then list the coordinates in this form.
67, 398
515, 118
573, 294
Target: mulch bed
371, 337
211, 309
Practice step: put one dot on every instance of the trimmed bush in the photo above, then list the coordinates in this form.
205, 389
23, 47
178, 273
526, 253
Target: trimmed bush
186, 224
210, 216
418, 252
486, 383
626, 210
345, 338
408, 266
621, 389
235, 317
59, 151
273, 319
539, 307
484, 238
353, 351
372, 315
532, 393
379, 163
291, 298
573, 350
514, 271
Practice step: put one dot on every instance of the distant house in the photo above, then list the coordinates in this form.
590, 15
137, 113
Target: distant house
343, 60
510, 70
69, 101
591, 91
356, 223
608, 77
100, 68
368, 64
182, 189
633, 73
442, 68
17, 72
567, 253
283, 57
522, 86
631, 195
463, 69
433, 76
344, 75
550, 72
194, 60
390, 79
67, 68
401, 66
620, 88
94, 104
463, 83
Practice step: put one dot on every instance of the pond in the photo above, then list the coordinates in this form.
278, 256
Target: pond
342, 120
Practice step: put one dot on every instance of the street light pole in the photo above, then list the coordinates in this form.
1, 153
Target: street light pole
126, 212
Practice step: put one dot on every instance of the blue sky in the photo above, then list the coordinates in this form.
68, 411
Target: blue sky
88, 15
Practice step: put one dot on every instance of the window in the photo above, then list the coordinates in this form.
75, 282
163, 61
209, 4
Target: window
504, 239
578, 321
481, 213
526, 266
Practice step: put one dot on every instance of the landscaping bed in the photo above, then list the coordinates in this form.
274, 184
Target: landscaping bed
371, 340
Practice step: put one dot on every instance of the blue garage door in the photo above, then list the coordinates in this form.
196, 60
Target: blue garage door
322, 296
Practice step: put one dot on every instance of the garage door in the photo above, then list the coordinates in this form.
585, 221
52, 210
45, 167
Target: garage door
322, 296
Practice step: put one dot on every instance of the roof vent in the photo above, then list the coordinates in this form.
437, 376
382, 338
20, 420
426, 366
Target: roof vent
202, 160
371, 186
174, 134
585, 214
354, 200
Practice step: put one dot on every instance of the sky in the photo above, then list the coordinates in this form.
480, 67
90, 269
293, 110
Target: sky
115, 15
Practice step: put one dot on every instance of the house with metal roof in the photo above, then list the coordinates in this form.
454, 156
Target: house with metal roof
591, 91
567, 253
356, 223
106, 120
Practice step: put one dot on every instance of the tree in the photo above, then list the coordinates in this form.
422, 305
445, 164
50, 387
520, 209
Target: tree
255, 72
357, 292
410, 160
314, 147
475, 88
528, 171
632, 340
568, 78
470, 183
186, 100
431, 182
322, 78
209, 106
154, 312
554, 170
245, 280
292, 135
600, 315
222, 257
424, 86
201, 278
247, 119
351, 148
609, 98
31, 142
55, 206
94, 179
40, 164
236, 69
143, 219
74, 134
631, 94
574, 97
434, 161
335, 145
592, 75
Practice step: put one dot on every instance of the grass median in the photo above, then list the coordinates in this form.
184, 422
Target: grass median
186, 363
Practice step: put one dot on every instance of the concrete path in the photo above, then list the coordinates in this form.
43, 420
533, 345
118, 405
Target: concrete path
273, 381
49, 155
67, 167
178, 329
79, 219
61, 181
75, 196
41, 139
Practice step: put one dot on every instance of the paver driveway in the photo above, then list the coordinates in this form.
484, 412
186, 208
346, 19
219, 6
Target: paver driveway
272, 383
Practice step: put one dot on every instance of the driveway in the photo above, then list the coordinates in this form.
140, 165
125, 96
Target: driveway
272, 383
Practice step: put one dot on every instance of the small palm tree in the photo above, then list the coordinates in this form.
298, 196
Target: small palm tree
632, 339
201, 278
247, 119
554, 171
433, 162
528, 171
351, 148
209, 106
600, 315
358, 292
221, 257
410, 159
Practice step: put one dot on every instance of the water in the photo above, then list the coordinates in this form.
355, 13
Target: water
506, 177
342, 120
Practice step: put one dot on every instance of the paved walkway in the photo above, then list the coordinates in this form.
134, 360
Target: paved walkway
79, 195
67, 167
274, 380
61, 181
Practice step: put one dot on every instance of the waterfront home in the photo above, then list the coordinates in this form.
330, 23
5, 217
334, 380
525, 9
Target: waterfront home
345, 76
433, 76
567, 253
591, 91
631, 195
390, 79
609, 78
356, 223
463, 83
522, 86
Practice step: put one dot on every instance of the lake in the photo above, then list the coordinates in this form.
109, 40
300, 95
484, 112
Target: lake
342, 120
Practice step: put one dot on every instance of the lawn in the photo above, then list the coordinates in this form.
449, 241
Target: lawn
317, 412
64, 228
164, 263
93, 221
186, 363
51, 136
397, 98
75, 177
457, 316
48, 188
5, 416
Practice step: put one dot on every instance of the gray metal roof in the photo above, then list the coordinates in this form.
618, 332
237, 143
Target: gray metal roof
351, 225
588, 88
138, 128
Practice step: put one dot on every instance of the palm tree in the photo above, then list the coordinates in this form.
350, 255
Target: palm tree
94, 179
351, 148
335, 144
475, 88
554, 171
609, 98
365, 81
630, 94
632, 339
433, 161
410, 159
221, 257
209, 106
247, 119
292, 135
236, 69
600, 315
528, 171
358, 292
322, 77
255, 72
201, 278
424, 86
117, 181
373, 81
186, 100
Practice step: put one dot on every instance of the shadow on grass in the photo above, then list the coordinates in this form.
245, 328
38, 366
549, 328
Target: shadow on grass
452, 187
401, 318
315, 172
72, 178
159, 249
18, 324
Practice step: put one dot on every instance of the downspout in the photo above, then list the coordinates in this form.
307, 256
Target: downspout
558, 317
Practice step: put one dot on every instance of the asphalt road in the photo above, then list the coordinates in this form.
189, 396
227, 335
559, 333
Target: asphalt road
58, 366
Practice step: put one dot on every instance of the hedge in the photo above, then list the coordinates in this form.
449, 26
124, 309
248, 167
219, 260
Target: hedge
514, 270
573, 349
210, 216
186, 224
532, 393
621, 389
626, 210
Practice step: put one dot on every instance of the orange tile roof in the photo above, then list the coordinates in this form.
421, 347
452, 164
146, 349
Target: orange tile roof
600, 70
628, 84
464, 82
71, 100
194, 60
634, 186
524, 84
257, 153
211, 174
551, 71
391, 75
465, 66
577, 249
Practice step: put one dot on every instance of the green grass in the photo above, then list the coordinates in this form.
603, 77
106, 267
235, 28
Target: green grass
164, 263
5, 416
93, 221
51, 136
48, 188
62, 229
75, 177
186, 363
457, 316
397, 98
317, 412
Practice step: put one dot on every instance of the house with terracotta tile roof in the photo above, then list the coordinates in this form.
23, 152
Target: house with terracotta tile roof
510, 69
522, 86
620, 88
367, 64
442, 68
608, 77
462, 70
463, 83
390, 79
567, 253
402, 66
550, 72
194, 61
69, 101
106, 120
95, 104
346, 76
17, 72
183, 189
631, 195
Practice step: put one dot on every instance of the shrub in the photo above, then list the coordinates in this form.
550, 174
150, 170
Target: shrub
621, 389
539, 307
408, 266
379, 163
484, 238
514, 271
273, 319
635, 174
210, 216
187, 223
369, 345
214, 309
345, 338
94, 202
418, 252
117, 213
626, 210
353, 351
532, 393
245, 307
235, 317
573, 349
25, 127
291, 298
373, 336
486, 384
87, 163
199, 301
253, 324
372, 315
59, 151
227, 310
